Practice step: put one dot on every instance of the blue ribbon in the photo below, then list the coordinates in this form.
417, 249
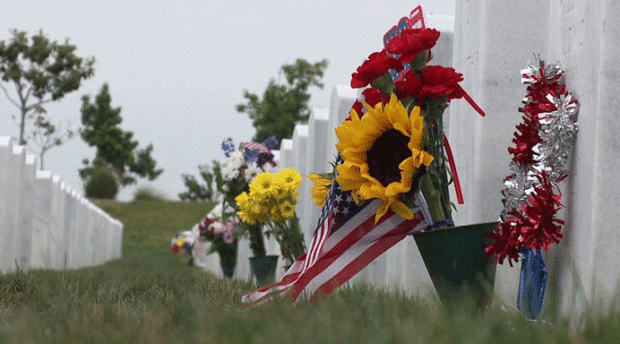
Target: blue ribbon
532, 284
443, 223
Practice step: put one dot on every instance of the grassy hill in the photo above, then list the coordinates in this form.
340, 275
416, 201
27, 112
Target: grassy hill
152, 296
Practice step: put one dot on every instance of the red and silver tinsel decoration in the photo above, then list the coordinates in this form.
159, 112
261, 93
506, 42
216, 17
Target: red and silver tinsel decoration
543, 142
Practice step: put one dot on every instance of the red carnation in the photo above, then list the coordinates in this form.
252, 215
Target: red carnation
408, 85
373, 97
374, 67
440, 81
203, 226
358, 107
411, 42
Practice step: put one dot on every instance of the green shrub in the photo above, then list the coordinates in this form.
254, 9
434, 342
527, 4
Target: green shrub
101, 183
145, 193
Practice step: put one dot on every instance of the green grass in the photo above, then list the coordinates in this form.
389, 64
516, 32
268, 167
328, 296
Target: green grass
151, 296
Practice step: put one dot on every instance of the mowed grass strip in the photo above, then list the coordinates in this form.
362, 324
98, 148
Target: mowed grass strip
152, 296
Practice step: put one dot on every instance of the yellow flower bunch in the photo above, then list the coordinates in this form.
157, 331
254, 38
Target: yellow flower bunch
272, 197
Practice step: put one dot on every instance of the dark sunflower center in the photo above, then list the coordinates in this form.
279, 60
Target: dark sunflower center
388, 151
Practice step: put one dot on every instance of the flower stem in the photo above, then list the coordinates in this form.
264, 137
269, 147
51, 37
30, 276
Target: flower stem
257, 243
433, 198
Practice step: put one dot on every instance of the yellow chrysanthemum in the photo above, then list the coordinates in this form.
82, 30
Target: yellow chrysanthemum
381, 152
287, 209
242, 199
280, 190
320, 188
261, 184
290, 177
271, 197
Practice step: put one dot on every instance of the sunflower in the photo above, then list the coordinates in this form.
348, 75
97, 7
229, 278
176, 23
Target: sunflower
381, 152
320, 188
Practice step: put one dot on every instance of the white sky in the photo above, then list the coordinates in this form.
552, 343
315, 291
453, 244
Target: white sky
178, 68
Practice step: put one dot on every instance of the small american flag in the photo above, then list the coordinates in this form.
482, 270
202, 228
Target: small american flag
345, 241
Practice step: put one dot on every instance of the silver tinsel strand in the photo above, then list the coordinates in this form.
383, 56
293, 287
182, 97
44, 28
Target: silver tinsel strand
518, 187
557, 130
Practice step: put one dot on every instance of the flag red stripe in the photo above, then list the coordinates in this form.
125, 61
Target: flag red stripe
319, 241
371, 253
328, 257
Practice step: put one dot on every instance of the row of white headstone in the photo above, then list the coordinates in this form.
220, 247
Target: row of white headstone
44, 223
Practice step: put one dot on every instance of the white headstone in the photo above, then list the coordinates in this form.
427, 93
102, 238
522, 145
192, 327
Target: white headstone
6, 197
42, 224
71, 228
340, 104
318, 132
300, 151
286, 153
491, 46
23, 172
585, 37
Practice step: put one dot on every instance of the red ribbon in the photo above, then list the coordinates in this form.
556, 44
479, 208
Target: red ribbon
471, 101
455, 175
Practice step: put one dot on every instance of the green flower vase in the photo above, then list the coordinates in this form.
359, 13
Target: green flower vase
456, 262
264, 269
228, 268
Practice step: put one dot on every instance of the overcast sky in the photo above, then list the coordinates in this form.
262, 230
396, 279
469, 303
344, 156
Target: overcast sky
177, 68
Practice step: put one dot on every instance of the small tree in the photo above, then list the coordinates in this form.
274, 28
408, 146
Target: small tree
46, 135
115, 147
195, 190
41, 71
283, 106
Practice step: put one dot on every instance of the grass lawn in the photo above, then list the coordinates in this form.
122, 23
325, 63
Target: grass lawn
151, 296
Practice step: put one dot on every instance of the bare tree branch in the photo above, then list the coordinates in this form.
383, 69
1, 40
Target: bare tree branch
8, 96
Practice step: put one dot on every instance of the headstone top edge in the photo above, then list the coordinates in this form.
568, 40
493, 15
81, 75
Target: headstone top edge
5, 141
30, 159
43, 174
344, 91
321, 114
287, 142
300, 130
17, 150
443, 23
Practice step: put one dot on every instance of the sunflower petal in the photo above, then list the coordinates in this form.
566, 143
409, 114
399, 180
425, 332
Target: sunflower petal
401, 209
383, 207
